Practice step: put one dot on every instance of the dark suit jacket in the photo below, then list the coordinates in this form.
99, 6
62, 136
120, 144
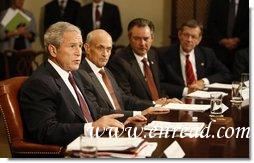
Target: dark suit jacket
241, 63
218, 20
95, 92
110, 20
50, 113
52, 13
207, 65
129, 76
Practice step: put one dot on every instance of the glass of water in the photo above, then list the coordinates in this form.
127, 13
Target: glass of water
216, 104
86, 151
236, 92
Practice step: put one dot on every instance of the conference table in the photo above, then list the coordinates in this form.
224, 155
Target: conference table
235, 145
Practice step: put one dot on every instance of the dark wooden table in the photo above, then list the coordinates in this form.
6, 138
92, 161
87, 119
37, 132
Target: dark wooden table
231, 147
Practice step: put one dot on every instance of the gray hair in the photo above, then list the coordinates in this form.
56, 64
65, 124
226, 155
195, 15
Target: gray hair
54, 33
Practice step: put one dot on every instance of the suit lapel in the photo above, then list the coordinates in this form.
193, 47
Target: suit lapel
154, 69
176, 63
135, 67
96, 83
68, 97
200, 63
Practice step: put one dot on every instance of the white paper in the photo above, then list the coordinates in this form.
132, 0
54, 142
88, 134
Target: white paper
174, 151
189, 127
247, 83
148, 150
105, 143
8, 16
204, 94
245, 93
219, 85
187, 107
223, 108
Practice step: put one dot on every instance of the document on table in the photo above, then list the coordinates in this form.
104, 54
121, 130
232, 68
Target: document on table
245, 93
174, 150
106, 144
187, 107
204, 94
219, 85
185, 127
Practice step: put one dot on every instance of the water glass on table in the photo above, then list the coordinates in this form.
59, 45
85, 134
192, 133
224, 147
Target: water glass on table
236, 92
86, 151
216, 104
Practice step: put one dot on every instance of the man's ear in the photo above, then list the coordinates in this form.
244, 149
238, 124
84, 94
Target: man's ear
52, 50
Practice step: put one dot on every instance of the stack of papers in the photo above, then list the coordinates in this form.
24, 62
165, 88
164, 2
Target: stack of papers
219, 85
107, 144
187, 107
14, 18
185, 127
116, 147
204, 94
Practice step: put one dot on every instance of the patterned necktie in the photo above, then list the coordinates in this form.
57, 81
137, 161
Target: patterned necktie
82, 102
231, 18
190, 77
97, 13
150, 80
108, 84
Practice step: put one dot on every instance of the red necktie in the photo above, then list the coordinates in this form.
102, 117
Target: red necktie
108, 84
190, 77
82, 102
97, 14
150, 80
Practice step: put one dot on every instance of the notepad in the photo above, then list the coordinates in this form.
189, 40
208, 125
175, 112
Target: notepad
219, 85
205, 94
107, 144
185, 127
187, 107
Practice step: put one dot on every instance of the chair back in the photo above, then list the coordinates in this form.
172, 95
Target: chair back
10, 109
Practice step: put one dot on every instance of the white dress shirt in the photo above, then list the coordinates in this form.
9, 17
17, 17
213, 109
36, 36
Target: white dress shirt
193, 63
88, 130
99, 77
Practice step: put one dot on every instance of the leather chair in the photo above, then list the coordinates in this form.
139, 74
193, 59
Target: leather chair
9, 107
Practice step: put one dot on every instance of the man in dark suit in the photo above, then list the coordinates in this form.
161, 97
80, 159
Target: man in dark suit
106, 92
128, 66
100, 14
61, 10
188, 67
241, 63
228, 33
54, 108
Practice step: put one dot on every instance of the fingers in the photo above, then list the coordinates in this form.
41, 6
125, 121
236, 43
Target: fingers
137, 118
175, 100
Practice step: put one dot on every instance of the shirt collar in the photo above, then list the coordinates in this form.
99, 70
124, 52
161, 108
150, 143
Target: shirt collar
93, 66
191, 53
64, 74
139, 58
100, 4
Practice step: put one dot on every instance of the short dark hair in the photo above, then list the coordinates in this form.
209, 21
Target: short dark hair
141, 22
192, 24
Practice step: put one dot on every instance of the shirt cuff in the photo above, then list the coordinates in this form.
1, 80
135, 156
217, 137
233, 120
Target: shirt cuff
88, 129
206, 81
185, 91
136, 113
